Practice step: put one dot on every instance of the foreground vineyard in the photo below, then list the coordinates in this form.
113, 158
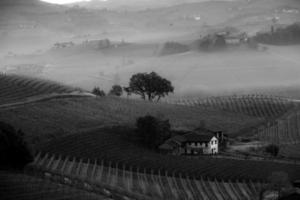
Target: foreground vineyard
23, 187
253, 105
14, 88
138, 181
115, 149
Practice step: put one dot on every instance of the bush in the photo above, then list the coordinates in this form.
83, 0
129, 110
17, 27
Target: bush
14, 152
173, 48
212, 42
152, 131
116, 90
96, 91
272, 149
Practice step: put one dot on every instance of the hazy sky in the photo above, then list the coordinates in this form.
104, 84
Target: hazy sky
63, 1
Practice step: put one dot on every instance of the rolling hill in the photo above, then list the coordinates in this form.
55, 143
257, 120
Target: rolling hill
58, 117
113, 147
16, 90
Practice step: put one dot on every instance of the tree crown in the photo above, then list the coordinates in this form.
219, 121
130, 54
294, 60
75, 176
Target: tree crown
150, 85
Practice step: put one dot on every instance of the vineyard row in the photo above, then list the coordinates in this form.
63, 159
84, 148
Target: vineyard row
158, 186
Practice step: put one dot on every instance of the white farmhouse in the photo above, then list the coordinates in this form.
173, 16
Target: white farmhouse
192, 143
200, 144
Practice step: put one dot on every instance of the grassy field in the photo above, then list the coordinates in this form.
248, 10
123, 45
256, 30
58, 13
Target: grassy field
57, 117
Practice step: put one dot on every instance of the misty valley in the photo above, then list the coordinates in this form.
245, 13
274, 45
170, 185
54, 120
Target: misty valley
148, 99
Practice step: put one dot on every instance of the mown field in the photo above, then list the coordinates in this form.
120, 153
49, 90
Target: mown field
57, 117
114, 147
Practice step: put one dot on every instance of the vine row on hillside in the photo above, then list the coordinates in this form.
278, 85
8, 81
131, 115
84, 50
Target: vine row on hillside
284, 130
158, 186
253, 105
14, 88
16, 186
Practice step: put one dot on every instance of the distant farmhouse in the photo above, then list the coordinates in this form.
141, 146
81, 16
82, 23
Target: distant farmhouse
222, 40
60, 45
233, 39
198, 142
98, 44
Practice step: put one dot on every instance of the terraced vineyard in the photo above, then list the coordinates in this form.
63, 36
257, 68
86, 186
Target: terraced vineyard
23, 187
253, 105
14, 88
283, 130
57, 117
138, 181
115, 149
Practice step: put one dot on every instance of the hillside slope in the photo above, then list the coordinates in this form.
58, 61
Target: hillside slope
57, 117
16, 89
115, 148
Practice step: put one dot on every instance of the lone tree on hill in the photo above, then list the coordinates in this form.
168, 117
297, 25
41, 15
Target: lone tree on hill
116, 90
153, 131
14, 152
150, 86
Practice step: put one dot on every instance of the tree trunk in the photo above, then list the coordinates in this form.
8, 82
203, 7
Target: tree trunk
158, 98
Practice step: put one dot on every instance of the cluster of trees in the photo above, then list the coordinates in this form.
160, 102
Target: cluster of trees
152, 131
272, 149
173, 48
14, 152
116, 90
149, 86
280, 36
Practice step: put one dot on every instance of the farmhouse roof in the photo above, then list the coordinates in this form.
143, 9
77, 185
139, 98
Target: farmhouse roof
195, 137
172, 142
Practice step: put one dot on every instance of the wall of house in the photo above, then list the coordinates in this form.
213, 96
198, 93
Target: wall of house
213, 146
